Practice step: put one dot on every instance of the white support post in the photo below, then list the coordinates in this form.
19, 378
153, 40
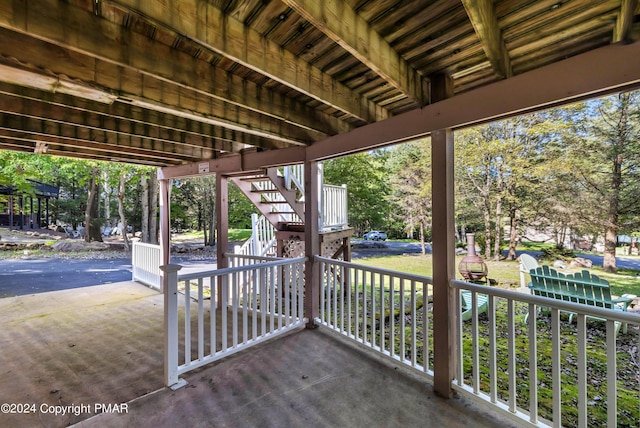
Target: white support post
170, 291
165, 221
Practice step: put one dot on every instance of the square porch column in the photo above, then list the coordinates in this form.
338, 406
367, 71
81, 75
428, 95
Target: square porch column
311, 243
165, 217
222, 229
443, 237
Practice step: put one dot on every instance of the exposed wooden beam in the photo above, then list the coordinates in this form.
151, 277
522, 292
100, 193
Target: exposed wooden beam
595, 73
35, 129
114, 43
118, 117
227, 164
199, 20
78, 150
343, 25
485, 23
624, 22
238, 163
148, 93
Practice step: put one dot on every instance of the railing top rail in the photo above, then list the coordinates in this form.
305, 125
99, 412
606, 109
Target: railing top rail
401, 275
225, 271
145, 244
594, 311
333, 186
250, 257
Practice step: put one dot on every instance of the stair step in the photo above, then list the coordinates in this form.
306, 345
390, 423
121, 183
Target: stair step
256, 178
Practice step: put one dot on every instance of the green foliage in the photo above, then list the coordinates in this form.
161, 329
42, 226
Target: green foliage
367, 188
409, 167
557, 253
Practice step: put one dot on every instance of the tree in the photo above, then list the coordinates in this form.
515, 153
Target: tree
410, 168
367, 188
91, 216
604, 160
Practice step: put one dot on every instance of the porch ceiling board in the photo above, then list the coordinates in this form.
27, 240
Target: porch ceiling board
209, 26
343, 25
121, 46
219, 77
127, 84
597, 72
122, 119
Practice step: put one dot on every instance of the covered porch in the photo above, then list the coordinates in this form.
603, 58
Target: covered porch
235, 88
311, 378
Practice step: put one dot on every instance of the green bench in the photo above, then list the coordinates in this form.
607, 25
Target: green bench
580, 287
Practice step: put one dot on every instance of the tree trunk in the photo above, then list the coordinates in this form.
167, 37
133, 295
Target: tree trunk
145, 208
107, 198
123, 220
498, 231
513, 234
611, 228
153, 208
91, 220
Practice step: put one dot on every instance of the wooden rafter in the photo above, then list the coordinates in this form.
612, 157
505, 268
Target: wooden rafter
625, 20
122, 120
485, 23
112, 43
203, 22
598, 72
152, 94
343, 25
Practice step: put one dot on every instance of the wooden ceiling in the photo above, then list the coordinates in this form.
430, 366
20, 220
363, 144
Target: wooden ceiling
175, 82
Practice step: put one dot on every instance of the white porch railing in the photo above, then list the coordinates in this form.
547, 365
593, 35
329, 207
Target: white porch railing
262, 241
527, 372
145, 264
333, 206
238, 315
384, 310
294, 177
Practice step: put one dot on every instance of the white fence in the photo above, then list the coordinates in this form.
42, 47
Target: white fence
384, 310
145, 264
333, 206
535, 371
222, 313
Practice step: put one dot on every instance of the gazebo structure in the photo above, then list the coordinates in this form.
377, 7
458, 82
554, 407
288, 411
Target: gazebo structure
34, 219
242, 88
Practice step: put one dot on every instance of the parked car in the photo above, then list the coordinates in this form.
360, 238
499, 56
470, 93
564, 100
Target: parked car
375, 235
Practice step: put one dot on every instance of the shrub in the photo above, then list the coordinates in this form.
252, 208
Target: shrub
557, 252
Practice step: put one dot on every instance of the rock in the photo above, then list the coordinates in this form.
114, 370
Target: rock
559, 264
581, 262
68, 245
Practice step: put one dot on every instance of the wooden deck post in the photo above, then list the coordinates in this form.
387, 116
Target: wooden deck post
222, 228
311, 243
442, 161
165, 217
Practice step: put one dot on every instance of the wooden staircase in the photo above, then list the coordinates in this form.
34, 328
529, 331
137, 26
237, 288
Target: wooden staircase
278, 193
278, 197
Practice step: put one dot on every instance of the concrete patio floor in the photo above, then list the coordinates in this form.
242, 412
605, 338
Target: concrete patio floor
103, 345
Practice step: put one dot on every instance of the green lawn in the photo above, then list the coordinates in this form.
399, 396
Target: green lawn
504, 273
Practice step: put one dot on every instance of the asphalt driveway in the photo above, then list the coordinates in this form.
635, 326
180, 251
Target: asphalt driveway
19, 277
